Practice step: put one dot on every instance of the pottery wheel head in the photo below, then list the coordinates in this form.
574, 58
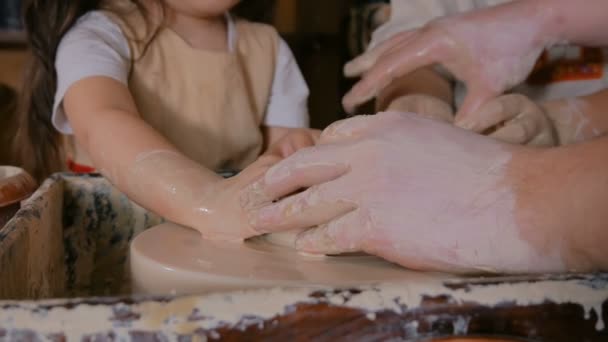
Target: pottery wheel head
172, 259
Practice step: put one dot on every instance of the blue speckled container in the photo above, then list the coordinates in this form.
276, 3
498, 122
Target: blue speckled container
70, 239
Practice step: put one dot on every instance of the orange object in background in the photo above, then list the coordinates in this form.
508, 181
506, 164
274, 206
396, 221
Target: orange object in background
79, 168
568, 63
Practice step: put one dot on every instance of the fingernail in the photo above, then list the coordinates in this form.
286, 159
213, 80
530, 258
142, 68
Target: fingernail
354, 67
464, 124
349, 69
349, 108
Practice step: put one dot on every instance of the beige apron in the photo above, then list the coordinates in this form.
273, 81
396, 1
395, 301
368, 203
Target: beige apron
210, 105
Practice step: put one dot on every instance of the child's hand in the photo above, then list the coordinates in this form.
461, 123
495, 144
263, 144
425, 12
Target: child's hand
513, 118
426, 105
222, 209
294, 140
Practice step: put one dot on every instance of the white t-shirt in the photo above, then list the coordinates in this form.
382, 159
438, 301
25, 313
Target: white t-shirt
573, 78
96, 46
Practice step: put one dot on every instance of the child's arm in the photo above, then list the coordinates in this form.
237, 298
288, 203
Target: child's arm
151, 171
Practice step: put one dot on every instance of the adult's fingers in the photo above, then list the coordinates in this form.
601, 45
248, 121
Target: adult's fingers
251, 177
477, 96
364, 62
356, 127
305, 168
403, 58
346, 129
492, 113
316, 205
345, 234
259, 167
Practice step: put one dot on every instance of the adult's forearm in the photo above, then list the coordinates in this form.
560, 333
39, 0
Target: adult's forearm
579, 119
576, 22
561, 203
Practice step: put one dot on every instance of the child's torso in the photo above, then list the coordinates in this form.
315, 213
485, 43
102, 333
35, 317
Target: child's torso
209, 104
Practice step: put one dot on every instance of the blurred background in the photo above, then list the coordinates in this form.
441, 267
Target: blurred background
323, 35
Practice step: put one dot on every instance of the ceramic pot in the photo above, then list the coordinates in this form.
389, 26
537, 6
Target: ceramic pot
15, 186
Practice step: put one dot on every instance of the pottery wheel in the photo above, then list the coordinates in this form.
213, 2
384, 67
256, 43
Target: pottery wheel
172, 259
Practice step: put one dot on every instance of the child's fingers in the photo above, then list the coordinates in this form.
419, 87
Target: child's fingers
288, 149
293, 142
273, 151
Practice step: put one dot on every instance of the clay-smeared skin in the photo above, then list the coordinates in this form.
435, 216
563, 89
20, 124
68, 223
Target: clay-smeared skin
514, 118
291, 142
560, 202
579, 119
412, 190
490, 50
216, 209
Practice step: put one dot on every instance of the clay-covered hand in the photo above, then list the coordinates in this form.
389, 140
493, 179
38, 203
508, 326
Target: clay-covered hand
223, 206
426, 105
513, 118
578, 119
293, 141
491, 50
418, 192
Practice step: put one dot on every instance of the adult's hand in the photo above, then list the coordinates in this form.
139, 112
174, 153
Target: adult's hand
491, 50
412, 190
515, 119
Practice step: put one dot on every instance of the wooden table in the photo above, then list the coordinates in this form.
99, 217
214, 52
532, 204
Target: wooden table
379, 313
70, 239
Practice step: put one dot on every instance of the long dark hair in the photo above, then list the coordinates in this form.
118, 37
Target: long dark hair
38, 146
